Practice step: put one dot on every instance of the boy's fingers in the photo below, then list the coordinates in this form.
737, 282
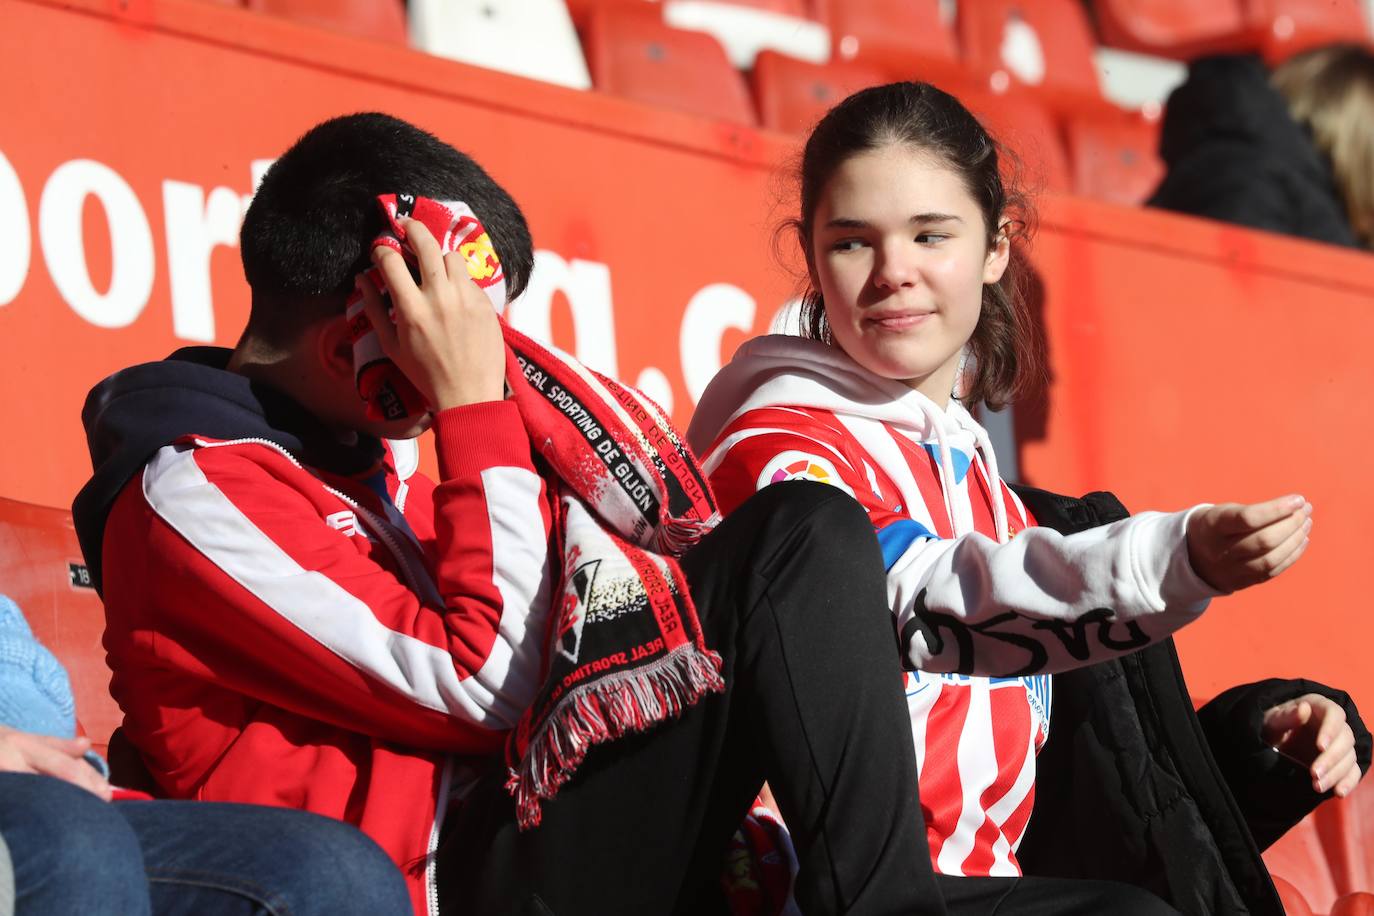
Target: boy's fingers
75, 770
398, 278
427, 252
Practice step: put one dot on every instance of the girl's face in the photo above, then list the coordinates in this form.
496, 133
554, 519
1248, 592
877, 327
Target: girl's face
900, 254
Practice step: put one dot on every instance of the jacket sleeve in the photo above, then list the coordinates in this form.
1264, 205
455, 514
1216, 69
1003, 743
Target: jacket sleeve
1274, 792
251, 590
1041, 603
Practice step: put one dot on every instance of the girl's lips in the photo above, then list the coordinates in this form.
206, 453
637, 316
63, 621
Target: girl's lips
898, 322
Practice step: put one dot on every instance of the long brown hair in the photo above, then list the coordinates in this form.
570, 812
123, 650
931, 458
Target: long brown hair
1006, 348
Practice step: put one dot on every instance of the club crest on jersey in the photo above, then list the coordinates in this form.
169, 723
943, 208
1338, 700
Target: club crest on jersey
793, 465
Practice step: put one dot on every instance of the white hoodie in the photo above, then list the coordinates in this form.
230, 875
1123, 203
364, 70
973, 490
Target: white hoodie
982, 603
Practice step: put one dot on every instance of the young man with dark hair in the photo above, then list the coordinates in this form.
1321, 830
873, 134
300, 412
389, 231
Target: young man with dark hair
297, 618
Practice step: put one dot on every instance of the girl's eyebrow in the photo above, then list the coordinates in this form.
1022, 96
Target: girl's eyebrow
844, 222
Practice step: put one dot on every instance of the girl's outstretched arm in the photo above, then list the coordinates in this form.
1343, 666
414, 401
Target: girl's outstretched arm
1046, 602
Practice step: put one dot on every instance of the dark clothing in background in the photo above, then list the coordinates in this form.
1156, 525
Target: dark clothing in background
1234, 153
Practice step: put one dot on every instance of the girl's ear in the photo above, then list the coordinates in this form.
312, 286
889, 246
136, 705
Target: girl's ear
999, 253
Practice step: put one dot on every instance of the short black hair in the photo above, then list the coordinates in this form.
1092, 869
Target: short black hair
309, 229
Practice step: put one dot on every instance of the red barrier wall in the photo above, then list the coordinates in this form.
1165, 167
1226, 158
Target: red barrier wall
1192, 361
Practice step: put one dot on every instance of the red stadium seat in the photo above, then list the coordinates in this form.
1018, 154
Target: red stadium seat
903, 37
581, 10
792, 94
1027, 129
383, 20
632, 53
1184, 29
1357, 904
1290, 26
1294, 903
1169, 28
1045, 44
41, 568
1326, 857
1114, 158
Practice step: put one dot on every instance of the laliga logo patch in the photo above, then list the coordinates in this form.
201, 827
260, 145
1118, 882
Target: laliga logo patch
801, 466
476, 248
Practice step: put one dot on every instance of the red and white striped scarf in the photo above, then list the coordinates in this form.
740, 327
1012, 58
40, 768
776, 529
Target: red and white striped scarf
625, 648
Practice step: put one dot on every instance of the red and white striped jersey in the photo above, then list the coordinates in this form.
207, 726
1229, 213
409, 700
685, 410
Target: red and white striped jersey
987, 606
975, 737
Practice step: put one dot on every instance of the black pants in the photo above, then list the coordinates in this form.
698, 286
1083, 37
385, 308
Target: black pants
790, 590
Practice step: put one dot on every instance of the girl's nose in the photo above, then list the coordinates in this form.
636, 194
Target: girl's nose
896, 270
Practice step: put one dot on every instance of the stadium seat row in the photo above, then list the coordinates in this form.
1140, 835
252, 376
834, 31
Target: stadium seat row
1027, 68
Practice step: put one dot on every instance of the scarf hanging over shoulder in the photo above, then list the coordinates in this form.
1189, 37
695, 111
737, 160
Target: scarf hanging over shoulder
625, 650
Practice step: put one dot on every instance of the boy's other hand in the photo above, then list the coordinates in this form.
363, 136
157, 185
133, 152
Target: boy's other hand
1232, 546
23, 752
446, 337
1313, 731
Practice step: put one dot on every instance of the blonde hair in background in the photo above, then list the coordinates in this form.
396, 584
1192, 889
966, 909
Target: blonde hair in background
1330, 91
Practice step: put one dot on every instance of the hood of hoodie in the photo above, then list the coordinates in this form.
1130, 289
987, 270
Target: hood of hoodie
785, 371
136, 411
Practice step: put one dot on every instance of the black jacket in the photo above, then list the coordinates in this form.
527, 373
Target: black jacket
1234, 153
1133, 786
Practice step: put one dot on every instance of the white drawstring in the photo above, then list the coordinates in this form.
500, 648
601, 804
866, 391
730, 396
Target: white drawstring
999, 505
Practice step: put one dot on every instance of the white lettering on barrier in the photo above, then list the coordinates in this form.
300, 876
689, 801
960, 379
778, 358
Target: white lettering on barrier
710, 313
196, 225
131, 243
587, 284
16, 242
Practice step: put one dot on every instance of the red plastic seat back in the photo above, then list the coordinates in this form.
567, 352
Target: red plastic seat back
1289, 26
1114, 159
1356, 904
1027, 129
898, 36
1042, 43
792, 95
1167, 27
383, 20
1294, 903
1326, 856
41, 568
632, 53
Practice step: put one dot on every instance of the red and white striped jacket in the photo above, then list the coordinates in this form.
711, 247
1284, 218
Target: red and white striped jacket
287, 636
986, 608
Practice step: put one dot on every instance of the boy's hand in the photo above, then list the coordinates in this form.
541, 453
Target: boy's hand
446, 337
1312, 730
22, 752
1232, 546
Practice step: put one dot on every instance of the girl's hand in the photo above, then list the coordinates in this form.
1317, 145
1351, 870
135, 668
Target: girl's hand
22, 752
1232, 546
446, 337
1312, 730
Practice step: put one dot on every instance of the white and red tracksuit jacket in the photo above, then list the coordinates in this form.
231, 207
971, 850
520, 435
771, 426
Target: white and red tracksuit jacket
987, 606
287, 635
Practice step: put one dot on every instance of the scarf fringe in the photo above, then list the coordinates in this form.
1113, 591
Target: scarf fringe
628, 701
675, 536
